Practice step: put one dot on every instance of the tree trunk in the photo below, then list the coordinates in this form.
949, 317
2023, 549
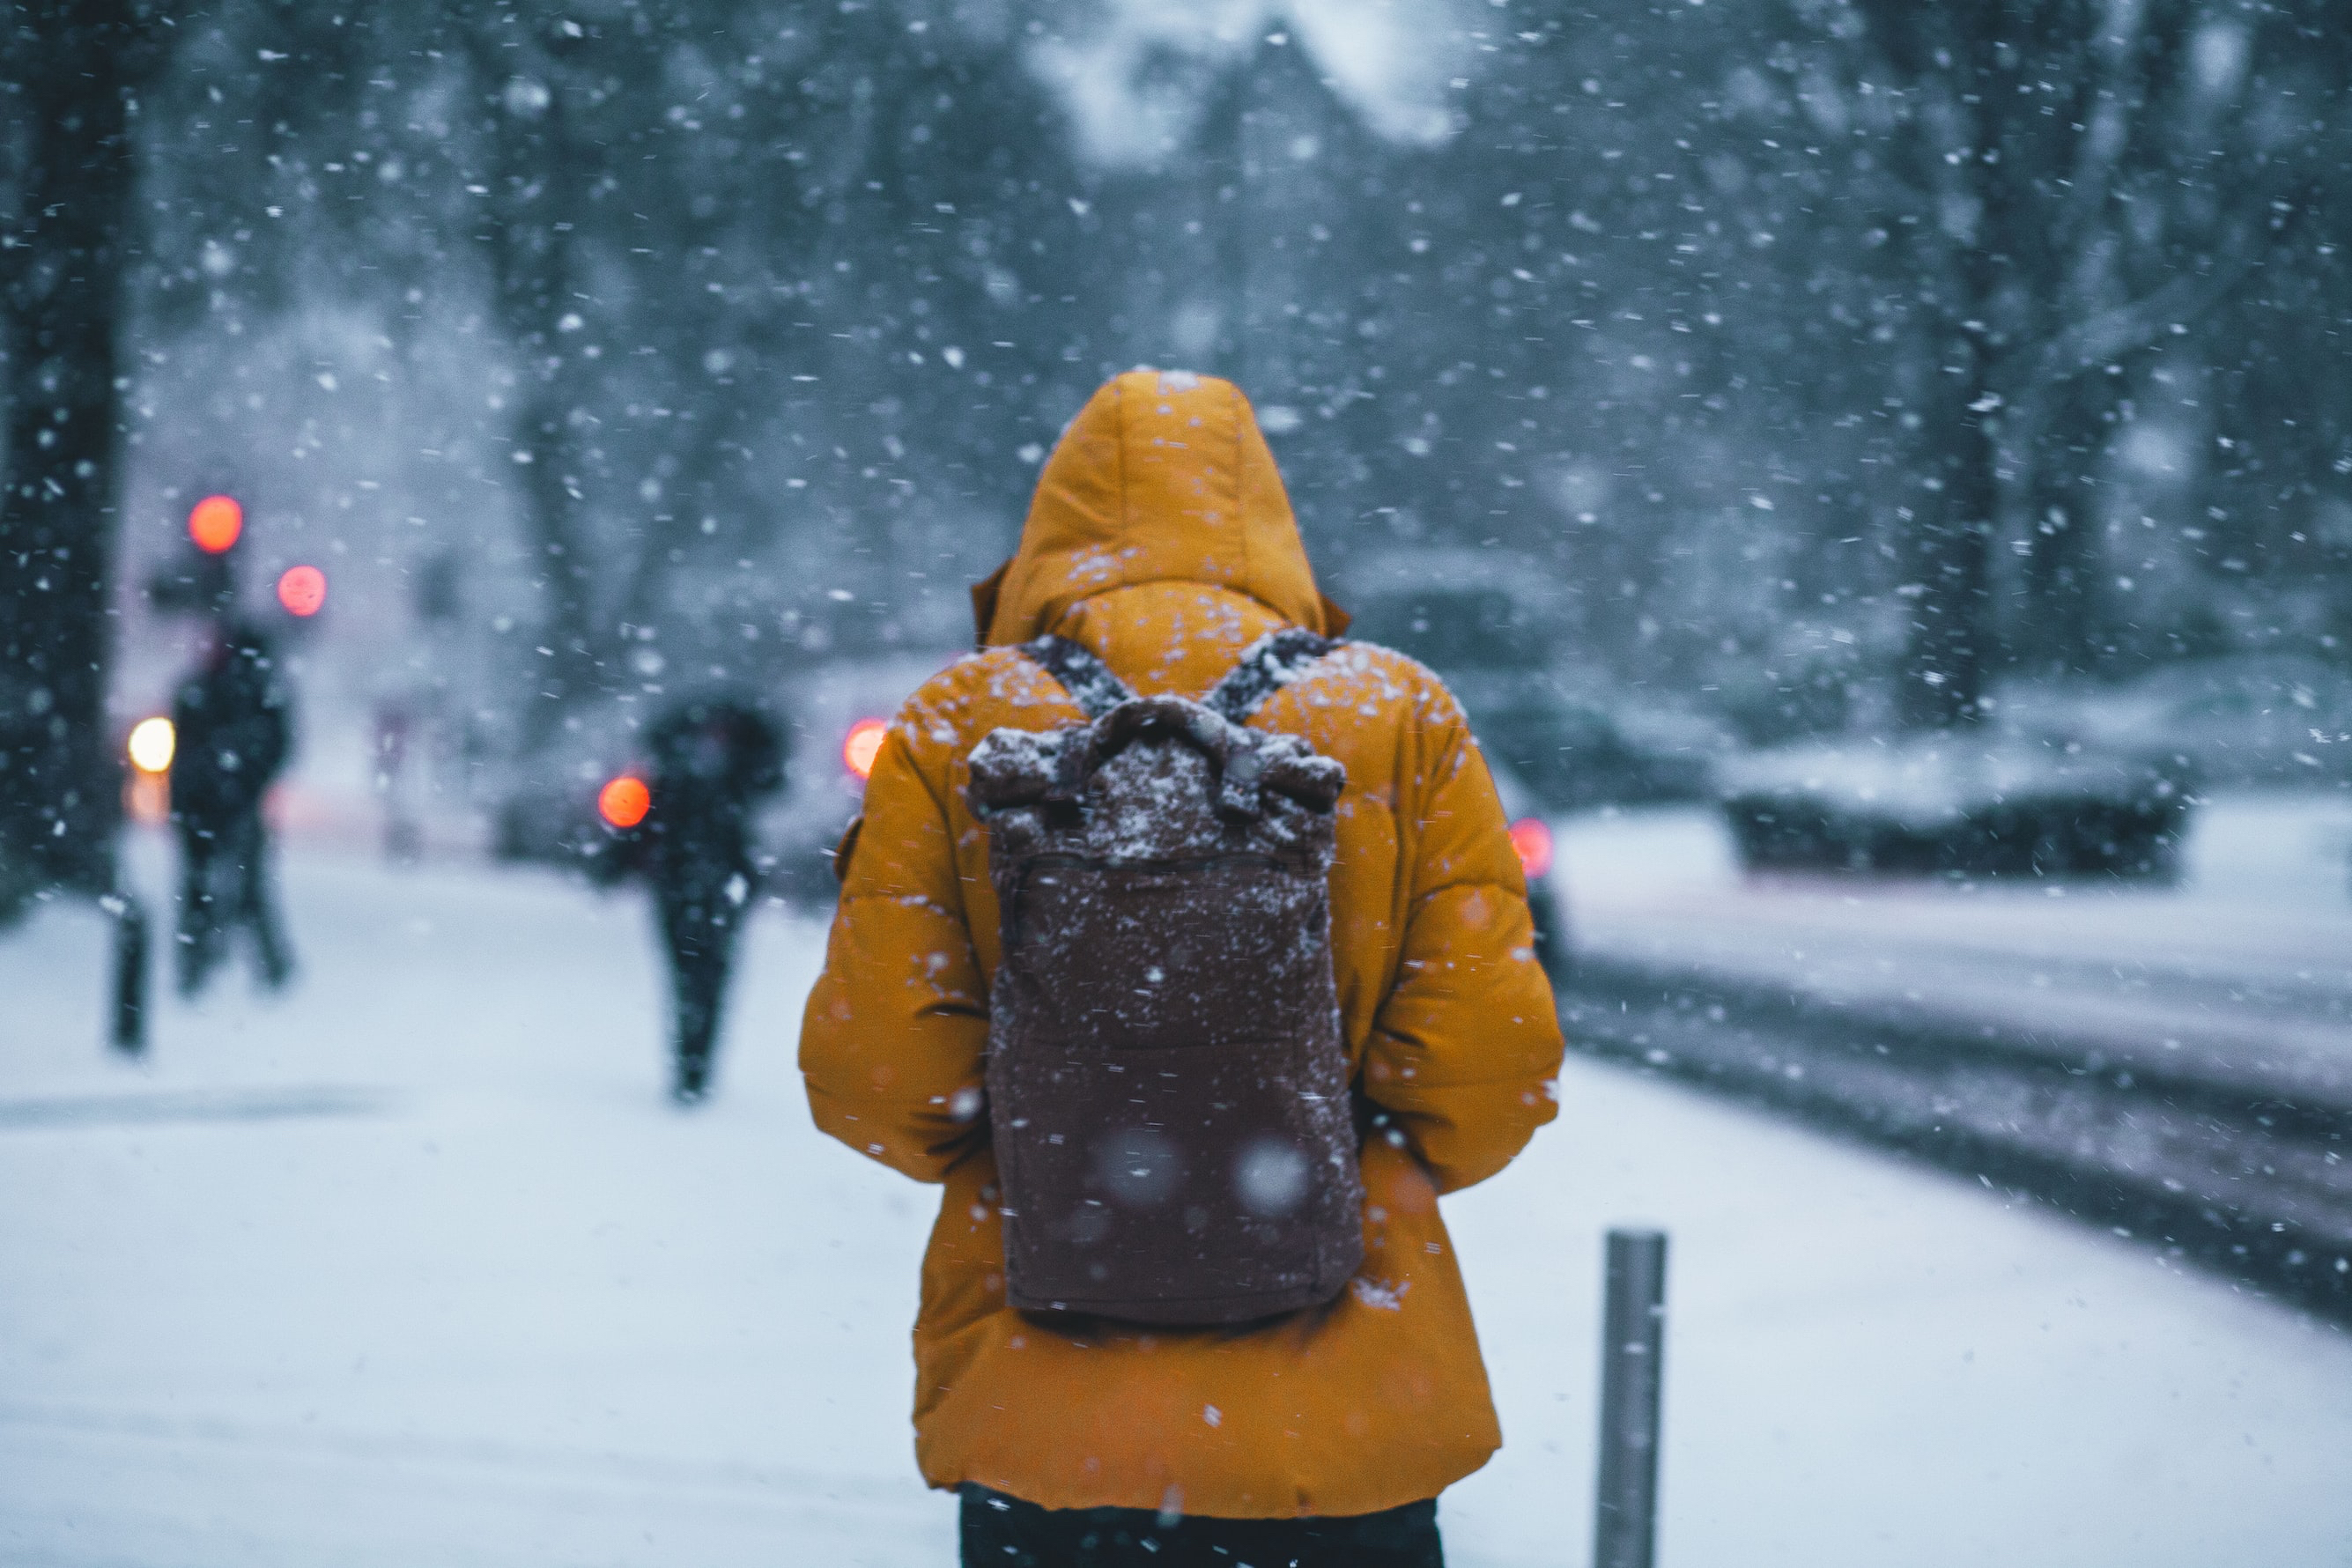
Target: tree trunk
1950, 590
1225, 171
542, 200
2060, 631
59, 786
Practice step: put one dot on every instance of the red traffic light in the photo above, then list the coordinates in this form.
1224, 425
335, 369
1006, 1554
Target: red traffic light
215, 522
303, 590
1532, 839
624, 801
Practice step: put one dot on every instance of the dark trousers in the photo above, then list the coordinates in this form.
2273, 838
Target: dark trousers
1001, 1531
699, 927
225, 885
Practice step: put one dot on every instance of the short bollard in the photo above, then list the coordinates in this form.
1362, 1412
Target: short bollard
129, 1011
1632, 1343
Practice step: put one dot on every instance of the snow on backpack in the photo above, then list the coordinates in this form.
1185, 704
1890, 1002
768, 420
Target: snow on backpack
1167, 1078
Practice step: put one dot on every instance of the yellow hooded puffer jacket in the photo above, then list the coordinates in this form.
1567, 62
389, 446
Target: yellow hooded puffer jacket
1161, 538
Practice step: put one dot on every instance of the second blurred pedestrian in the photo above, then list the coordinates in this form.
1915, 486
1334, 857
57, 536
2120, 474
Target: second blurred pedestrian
713, 761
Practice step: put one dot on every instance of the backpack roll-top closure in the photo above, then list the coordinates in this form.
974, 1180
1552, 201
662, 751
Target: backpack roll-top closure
1014, 768
1167, 1083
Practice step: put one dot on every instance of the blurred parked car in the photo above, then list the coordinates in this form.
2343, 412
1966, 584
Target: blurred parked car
1969, 803
549, 813
1489, 628
838, 713
2245, 718
1532, 837
546, 804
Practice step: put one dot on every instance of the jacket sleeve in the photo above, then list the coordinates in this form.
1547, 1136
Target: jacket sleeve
892, 1041
1465, 1048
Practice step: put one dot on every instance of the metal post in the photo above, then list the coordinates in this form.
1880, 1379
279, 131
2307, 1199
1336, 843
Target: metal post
130, 1031
1633, 1345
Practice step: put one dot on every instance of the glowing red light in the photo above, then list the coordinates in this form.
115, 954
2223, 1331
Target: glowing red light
624, 801
1532, 839
215, 522
303, 590
863, 744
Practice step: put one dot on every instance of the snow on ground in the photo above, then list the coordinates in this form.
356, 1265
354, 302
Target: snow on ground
414, 1265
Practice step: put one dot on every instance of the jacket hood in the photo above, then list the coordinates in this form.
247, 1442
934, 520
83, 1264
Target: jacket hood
1163, 476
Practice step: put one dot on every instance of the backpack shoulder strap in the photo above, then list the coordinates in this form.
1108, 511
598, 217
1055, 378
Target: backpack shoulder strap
1087, 679
1267, 665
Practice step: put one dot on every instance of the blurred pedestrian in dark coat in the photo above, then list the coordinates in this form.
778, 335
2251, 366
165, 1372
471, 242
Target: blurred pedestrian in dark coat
232, 720
713, 761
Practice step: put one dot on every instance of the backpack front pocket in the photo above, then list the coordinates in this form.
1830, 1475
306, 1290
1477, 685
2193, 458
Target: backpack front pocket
1176, 1184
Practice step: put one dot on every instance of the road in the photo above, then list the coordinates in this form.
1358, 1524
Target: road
2174, 1062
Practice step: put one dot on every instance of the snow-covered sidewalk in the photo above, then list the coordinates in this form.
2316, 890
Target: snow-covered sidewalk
413, 1264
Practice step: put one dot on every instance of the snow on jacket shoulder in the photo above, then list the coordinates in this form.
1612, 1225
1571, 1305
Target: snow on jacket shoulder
1160, 540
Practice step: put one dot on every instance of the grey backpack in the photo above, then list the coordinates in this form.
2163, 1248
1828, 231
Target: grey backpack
1167, 1078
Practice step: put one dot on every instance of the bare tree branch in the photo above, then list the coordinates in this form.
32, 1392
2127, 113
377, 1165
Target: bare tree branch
2100, 339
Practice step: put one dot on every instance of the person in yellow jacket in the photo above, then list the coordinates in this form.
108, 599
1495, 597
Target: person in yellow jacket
1162, 540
